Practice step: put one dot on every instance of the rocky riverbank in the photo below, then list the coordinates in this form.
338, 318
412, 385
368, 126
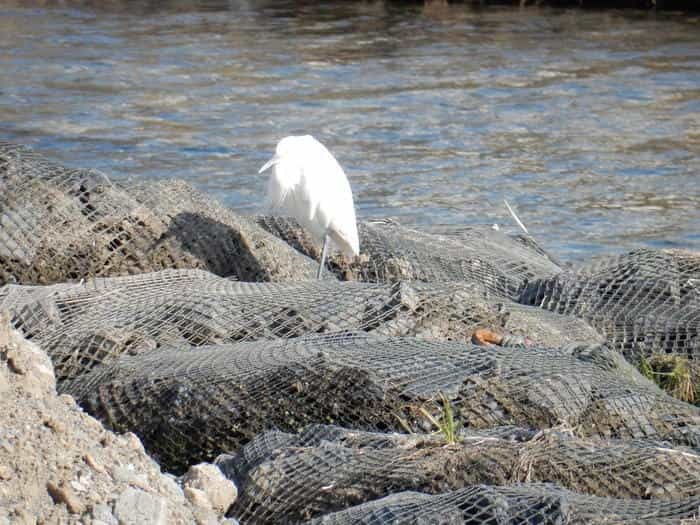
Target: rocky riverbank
59, 465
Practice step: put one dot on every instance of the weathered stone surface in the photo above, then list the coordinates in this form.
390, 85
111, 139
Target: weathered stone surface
197, 497
207, 478
25, 364
62, 493
102, 515
59, 465
136, 507
5, 472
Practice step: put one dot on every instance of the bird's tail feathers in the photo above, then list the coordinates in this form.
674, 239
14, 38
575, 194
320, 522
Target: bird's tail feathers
347, 242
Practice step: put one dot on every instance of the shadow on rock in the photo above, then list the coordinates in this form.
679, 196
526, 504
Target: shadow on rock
223, 250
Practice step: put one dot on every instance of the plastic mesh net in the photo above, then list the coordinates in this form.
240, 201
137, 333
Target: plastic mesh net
190, 405
390, 252
59, 224
84, 325
324, 469
644, 302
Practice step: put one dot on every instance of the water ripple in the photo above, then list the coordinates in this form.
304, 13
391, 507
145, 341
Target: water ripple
587, 121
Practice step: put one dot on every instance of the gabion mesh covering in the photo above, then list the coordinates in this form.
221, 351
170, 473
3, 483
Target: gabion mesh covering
190, 405
326, 396
261, 448
644, 302
59, 224
84, 325
285, 477
499, 263
512, 505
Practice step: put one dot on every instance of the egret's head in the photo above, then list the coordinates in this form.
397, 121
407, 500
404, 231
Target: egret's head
288, 149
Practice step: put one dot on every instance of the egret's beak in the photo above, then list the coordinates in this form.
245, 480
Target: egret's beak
274, 160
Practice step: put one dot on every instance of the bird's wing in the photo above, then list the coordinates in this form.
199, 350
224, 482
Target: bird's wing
328, 193
277, 193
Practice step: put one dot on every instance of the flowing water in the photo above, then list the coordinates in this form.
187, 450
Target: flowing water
588, 122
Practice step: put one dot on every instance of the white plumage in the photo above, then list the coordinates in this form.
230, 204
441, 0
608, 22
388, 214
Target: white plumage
308, 183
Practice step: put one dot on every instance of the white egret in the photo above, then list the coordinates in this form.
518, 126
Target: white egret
308, 183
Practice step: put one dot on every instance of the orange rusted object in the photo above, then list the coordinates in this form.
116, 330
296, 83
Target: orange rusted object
486, 337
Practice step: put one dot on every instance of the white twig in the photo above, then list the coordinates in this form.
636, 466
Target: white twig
522, 226
681, 452
104, 176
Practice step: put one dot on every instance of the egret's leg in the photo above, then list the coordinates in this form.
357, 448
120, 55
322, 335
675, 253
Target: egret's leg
323, 257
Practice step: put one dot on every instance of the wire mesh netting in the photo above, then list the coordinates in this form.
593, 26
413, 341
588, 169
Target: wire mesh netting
59, 224
324, 394
644, 302
190, 405
84, 325
501, 264
266, 444
324, 469
513, 505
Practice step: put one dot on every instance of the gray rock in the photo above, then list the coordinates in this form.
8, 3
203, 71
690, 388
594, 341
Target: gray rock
209, 479
170, 487
197, 497
136, 507
128, 474
63, 493
102, 514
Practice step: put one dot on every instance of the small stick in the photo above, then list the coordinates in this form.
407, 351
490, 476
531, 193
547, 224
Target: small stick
104, 176
522, 226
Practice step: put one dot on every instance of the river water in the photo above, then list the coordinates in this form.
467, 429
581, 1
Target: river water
588, 122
